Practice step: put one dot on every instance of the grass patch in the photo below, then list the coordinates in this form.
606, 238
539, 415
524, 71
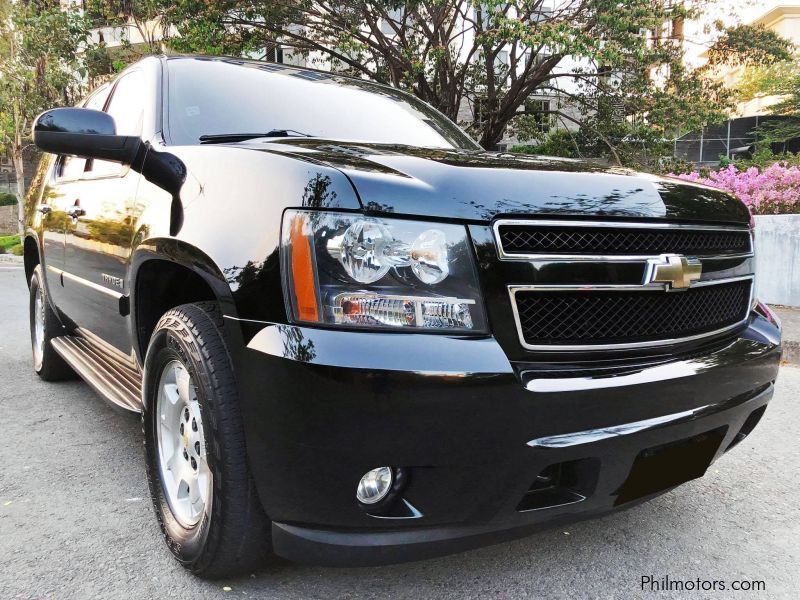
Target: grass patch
9, 241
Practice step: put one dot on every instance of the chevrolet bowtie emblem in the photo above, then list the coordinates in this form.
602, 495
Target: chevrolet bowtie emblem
674, 270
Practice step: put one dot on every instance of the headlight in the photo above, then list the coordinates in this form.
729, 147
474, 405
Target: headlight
351, 270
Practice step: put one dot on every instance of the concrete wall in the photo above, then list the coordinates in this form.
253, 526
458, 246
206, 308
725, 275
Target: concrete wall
778, 259
8, 219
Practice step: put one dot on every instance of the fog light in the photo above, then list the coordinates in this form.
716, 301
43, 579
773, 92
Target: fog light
375, 485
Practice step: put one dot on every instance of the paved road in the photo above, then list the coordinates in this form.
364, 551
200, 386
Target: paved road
75, 520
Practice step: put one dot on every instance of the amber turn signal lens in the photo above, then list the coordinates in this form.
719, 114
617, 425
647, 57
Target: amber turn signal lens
303, 272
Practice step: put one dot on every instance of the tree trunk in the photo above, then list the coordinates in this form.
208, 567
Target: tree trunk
492, 134
19, 169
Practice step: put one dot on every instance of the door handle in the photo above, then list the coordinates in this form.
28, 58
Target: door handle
76, 211
45, 209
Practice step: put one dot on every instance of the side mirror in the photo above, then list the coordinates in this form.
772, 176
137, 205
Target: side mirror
85, 133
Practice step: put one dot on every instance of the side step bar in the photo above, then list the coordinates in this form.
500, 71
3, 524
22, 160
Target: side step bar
116, 382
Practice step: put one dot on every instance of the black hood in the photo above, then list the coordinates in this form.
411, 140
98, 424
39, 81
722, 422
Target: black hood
479, 186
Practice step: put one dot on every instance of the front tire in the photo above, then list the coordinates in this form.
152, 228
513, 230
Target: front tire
202, 490
45, 326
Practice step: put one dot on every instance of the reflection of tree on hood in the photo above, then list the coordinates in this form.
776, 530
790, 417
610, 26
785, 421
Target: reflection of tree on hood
316, 193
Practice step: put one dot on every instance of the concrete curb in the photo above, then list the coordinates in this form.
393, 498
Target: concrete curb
790, 320
10, 258
791, 353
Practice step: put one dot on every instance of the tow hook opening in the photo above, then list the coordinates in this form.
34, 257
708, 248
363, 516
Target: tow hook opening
749, 424
560, 484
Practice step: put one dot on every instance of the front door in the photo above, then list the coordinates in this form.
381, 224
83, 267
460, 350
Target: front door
97, 249
100, 231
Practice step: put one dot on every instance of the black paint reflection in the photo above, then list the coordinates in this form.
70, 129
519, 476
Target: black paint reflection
480, 185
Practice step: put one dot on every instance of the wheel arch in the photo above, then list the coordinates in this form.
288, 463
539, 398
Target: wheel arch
165, 273
31, 254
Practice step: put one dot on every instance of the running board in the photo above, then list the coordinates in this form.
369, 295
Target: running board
116, 382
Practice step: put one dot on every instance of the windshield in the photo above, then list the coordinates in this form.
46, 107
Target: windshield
227, 96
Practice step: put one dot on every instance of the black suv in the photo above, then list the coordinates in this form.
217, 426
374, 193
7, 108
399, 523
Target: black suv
356, 338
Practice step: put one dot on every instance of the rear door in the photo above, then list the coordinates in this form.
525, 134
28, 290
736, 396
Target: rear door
99, 234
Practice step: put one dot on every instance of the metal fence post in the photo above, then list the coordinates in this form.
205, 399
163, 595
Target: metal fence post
728, 141
702, 132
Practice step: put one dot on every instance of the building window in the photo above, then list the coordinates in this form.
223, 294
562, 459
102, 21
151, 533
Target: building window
540, 111
480, 112
274, 54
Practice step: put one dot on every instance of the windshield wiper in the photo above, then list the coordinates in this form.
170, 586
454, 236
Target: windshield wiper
221, 138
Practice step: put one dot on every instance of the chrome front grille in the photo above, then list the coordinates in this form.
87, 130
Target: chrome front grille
636, 315
655, 311
591, 240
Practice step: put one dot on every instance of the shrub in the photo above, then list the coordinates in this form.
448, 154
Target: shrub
762, 158
769, 191
678, 166
8, 241
7, 199
18, 250
559, 143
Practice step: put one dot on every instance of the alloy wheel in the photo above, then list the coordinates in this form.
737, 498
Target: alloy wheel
185, 474
38, 328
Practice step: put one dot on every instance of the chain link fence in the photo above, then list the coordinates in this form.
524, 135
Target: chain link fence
731, 139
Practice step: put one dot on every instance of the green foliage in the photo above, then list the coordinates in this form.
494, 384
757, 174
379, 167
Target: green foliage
679, 166
9, 241
749, 45
8, 199
762, 158
415, 45
40, 67
774, 79
561, 143
144, 16
18, 250
781, 79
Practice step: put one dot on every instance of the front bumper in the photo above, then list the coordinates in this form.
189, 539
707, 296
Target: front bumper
472, 431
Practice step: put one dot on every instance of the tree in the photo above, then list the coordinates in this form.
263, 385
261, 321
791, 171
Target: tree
139, 24
781, 80
144, 16
39, 68
492, 55
635, 118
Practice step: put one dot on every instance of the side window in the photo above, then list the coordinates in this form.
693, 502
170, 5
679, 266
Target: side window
69, 168
127, 104
127, 108
98, 99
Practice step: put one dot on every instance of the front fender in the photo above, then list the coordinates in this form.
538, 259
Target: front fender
232, 203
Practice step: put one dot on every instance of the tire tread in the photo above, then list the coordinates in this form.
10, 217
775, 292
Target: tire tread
54, 368
241, 541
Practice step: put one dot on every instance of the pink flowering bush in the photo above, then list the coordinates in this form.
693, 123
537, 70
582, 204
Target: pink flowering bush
769, 191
